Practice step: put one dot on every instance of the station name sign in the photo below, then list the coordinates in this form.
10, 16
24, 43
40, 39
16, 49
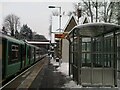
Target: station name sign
60, 35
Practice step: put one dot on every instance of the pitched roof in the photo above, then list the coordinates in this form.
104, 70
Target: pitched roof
70, 24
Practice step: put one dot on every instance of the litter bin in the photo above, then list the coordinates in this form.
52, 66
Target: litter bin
57, 59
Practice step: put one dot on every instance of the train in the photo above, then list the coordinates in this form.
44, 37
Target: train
17, 55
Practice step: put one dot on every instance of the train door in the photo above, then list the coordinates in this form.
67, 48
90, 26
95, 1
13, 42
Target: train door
27, 55
4, 57
13, 63
23, 56
31, 54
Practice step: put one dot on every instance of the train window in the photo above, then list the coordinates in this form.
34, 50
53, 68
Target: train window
13, 53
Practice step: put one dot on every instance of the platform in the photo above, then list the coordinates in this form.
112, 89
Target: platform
57, 78
48, 75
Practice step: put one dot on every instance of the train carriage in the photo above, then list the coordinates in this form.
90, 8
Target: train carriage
30, 51
11, 55
16, 55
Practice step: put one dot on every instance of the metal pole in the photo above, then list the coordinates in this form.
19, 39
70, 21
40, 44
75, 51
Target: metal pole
60, 48
60, 19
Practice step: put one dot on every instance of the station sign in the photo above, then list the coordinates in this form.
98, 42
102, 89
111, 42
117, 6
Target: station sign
60, 36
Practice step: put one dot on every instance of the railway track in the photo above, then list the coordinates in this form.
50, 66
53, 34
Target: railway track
20, 81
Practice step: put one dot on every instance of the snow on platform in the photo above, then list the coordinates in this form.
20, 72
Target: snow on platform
64, 69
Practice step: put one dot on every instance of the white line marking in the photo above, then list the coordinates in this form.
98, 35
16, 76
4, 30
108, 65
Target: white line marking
18, 75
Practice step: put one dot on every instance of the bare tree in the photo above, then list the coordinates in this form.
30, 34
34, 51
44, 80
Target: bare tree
108, 11
83, 8
55, 13
12, 23
89, 7
98, 11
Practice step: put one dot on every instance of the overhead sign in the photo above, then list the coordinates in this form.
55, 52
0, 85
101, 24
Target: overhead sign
59, 36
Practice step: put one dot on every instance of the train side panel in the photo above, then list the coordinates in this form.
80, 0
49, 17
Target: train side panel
12, 62
17, 55
4, 57
32, 52
23, 55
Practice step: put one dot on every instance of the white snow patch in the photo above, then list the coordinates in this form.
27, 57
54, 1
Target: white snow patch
64, 68
71, 84
53, 61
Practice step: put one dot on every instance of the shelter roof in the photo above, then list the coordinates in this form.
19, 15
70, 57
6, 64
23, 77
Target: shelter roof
36, 42
94, 29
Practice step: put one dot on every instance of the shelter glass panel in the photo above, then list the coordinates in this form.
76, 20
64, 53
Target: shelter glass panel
86, 52
75, 51
86, 61
118, 55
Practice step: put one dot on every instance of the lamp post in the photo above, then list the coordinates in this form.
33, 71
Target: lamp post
60, 30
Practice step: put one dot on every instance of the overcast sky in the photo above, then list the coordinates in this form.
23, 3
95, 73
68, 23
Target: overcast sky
35, 14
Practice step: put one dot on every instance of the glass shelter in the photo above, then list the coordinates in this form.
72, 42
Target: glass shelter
93, 54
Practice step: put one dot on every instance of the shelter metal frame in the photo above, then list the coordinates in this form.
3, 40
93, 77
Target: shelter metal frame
93, 54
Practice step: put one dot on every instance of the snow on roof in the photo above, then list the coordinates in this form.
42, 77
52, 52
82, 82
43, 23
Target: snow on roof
94, 29
35, 42
70, 20
55, 22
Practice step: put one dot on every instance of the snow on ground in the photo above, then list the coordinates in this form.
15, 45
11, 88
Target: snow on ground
53, 61
64, 69
71, 84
